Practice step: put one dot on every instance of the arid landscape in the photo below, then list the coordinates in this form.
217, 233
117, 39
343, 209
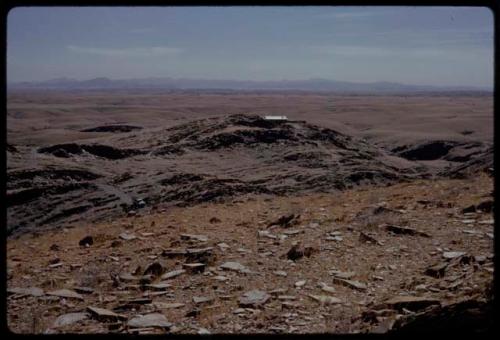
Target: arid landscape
189, 212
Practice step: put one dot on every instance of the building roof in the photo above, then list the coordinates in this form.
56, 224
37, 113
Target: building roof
275, 117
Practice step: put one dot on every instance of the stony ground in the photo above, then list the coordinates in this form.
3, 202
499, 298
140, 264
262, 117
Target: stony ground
346, 262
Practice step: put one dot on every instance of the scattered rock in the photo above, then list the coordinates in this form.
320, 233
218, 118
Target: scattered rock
166, 305
159, 286
172, 274
280, 273
365, 238
102, 314
83, 290
292, 232
221, 278
265, 233
86, 241
325, 299
33, 291
149, 320
453, 254
66, 293
235, 266
199, 238
194, 267
342, 275
223, 246
254, 298
68, 319
410, 302
285, 221
326, 288
437, 270
406, 231
300, 283
54, 247
297, 251
350, 283
127, 237
155, 269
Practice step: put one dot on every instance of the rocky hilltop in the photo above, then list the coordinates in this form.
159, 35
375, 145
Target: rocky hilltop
129, 168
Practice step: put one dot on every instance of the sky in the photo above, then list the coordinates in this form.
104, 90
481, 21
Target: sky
440, 46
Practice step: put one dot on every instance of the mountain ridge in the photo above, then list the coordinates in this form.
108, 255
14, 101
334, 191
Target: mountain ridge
312, 84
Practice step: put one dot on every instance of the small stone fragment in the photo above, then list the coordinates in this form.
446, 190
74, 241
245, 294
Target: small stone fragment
83, 290
149, 320
194, 267
300, 283
342, 275
411, 302
437, 270
326, 288
235, 266
406, 231
127, 237
68, 319
453, 254
325, 299
102, 314
66, 293
199, 238
350, 283
254, 298
280, 273
155, 269
33, 291
172, 274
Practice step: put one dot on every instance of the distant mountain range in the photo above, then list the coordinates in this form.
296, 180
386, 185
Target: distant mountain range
210, 84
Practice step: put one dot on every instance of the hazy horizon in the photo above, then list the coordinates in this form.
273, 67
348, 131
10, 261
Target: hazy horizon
433, 46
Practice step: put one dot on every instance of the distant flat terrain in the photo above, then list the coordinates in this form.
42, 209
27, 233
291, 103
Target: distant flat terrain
44, 117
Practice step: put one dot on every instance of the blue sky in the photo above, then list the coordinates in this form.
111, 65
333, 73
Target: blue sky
413, 45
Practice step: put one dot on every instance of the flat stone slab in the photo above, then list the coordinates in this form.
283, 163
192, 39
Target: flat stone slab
172, 274
325, 299
70, 318
235, 266
200, 238
254, 298
66, 293
127, 237
102, 314
411, 302
453, 254
350, 283
326, 288
149, 320
342, 275
406, 231
159, 285
33, 291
